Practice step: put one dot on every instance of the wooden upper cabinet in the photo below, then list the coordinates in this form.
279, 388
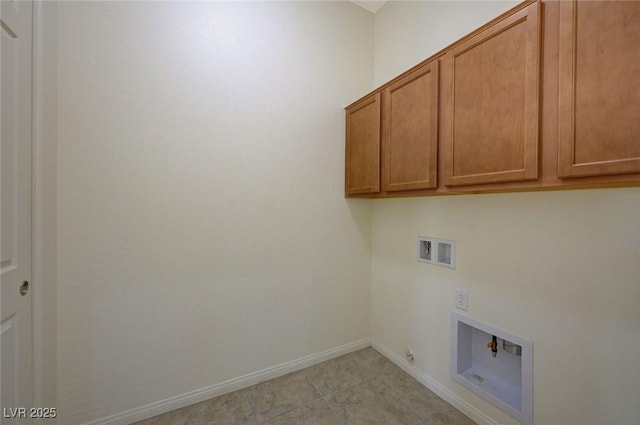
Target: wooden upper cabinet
410, 131
599, 88
362, 171
491, 103
497, 111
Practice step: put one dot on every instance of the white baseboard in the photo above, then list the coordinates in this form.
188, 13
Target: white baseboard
192, 397
450, 397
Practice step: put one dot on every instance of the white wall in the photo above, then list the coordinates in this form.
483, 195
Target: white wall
202, 229
407, 32
560, 268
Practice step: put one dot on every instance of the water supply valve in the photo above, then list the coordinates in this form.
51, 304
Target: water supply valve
493, 345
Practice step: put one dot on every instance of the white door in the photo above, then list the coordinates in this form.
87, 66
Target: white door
16, 369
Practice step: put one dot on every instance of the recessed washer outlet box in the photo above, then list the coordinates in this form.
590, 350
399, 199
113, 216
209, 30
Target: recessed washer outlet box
440, 252
502, 377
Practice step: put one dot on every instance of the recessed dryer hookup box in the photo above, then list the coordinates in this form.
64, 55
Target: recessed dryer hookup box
440, 252
494, 364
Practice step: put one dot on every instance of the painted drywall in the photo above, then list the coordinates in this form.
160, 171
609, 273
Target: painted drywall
407, 32
559, 268
202, 230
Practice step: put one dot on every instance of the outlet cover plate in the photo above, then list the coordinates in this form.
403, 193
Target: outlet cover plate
462, 299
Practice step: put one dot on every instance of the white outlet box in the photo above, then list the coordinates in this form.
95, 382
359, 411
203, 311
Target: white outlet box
462, 299
506, 380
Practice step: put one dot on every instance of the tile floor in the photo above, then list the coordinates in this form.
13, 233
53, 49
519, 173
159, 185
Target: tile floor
359, 388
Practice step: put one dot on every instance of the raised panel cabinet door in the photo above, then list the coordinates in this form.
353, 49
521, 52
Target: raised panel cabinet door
362, 168
491, 103
410, 136
599, 88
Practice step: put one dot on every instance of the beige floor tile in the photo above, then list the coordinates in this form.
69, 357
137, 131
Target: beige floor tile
229, 409
419, 398
422, 400
361, 388
365, 404
371, 362
448, 416
280, 395
315, 413
335, 375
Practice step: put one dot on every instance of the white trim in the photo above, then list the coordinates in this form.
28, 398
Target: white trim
446, 394
196, 396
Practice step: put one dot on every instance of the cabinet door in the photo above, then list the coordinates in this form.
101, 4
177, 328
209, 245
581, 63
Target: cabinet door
599, 104
410, 135
363, 147
491, 103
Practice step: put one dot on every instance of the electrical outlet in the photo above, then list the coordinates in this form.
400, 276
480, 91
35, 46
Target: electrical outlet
462, 299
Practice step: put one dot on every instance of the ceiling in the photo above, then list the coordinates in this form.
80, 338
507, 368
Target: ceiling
371, 5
